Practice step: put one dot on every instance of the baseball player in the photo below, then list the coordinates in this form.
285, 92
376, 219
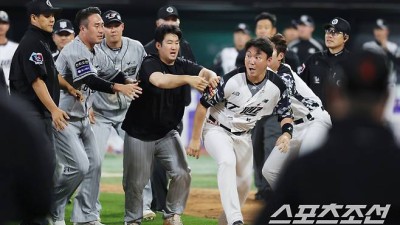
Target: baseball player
151, 126
63, 33
242, 97
87, 68
7, 47
311, 121
109, 109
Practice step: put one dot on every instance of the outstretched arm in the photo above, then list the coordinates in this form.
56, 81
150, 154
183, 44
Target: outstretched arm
210, 76
169, 81
194, 144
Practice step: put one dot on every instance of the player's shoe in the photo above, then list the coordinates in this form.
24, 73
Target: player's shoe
148, 215
174, 220
96, 222
239, 222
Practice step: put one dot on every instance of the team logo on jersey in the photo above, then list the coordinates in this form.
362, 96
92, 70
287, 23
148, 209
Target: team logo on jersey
37, 58
82, 67
251, 111
236, 93
131, 70
316, 80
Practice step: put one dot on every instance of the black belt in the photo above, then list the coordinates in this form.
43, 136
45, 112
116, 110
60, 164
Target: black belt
212, 119
308, 116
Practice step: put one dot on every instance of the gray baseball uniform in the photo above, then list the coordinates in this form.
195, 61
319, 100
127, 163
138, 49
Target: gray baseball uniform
110, 109
78, 157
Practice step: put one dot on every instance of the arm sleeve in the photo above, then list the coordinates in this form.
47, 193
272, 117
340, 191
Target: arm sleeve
120, 78
98, 84
283, 108
210, 97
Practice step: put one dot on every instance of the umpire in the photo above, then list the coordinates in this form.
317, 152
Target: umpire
323, 66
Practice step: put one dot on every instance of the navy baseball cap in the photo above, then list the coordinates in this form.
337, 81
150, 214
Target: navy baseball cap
339, 24
306, 20
41, 6
167, 11
63, 25
111, 16
4, 17
380, 24
243, 28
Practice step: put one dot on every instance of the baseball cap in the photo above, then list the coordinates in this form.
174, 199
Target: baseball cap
380, 24
366, 72
339, 24
4, 17
63, 25
41, 6
167, 11
306, 20
243, 28
111, 16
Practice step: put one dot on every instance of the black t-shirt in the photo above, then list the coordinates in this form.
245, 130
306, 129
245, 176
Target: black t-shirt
33, 59
158, 111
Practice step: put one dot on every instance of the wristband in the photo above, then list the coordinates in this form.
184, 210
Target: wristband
288, 128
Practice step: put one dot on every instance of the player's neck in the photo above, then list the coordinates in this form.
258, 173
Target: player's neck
256, 79
114, 45
87, 43
3, 40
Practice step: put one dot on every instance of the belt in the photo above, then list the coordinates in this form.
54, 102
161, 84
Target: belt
212, 119
308, 116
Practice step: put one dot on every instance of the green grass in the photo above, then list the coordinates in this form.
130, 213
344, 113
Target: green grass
113, 213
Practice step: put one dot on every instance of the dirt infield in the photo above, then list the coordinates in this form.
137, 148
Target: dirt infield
204, 202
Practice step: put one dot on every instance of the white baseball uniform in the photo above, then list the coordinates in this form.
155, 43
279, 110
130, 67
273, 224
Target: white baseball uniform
235, 106
311, 124
7, 52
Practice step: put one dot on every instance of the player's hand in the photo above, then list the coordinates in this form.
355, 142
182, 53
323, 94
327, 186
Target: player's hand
131, 90
92, 118
283, 142
214, 81
130, 81
198, 83
76, 93
194, 148
59, 118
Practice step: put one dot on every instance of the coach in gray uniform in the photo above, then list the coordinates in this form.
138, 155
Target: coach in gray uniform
82, 63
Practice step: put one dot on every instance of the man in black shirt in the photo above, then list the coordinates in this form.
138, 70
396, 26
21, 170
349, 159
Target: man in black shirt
359, 164
323, 66
150, 126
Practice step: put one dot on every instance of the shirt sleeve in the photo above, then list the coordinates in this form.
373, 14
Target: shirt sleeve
33, 61
283, 108
77, 62
148, 67
190, 68
210, 97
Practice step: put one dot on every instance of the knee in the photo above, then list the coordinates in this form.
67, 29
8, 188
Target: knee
181, 175
82, 169
227, 164
270, 174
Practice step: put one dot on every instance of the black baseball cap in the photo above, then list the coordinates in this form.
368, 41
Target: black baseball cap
4, 17
366, 72
339, 24
167, 11
380, 24
306, 20
63, 25
111, 16
243, 28
41, 6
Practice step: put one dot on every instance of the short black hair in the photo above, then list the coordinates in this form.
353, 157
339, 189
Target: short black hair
164, 29
83, 14
263, 44
266, 16
280, 43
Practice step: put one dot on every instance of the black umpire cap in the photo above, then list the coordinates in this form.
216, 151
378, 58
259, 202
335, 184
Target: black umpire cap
339, 24
111, 16
4, 17
63, 25
167, 11
37, 7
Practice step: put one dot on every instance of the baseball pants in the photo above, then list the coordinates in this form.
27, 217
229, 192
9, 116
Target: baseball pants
138, 165
106, 121
78, 163
307, 136
234, 157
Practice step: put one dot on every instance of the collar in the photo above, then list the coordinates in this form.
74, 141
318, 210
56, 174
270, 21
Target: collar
335, 54
83, 45
36, 29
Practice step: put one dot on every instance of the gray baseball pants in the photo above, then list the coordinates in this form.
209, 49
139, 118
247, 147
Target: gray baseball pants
138, 165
